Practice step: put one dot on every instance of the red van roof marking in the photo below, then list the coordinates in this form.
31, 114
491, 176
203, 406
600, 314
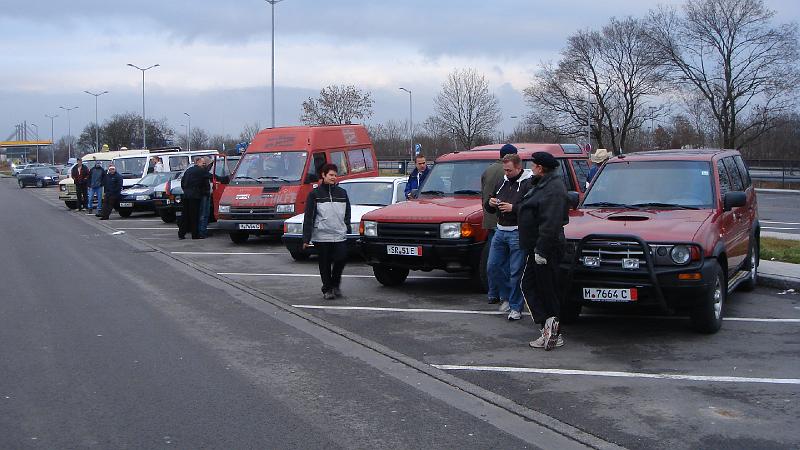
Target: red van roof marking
317, 137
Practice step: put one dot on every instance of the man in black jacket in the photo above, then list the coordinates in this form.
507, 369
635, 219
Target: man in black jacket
112, 187
542, 216
80, 175
195, 184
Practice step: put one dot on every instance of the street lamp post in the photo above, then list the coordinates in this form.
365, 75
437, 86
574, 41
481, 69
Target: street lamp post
96, 123
188, 132
410, 120
272, 86
52, 146
69, 131
144, 130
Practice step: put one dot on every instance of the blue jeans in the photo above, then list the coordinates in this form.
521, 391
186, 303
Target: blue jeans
205, 210
505, 266
498, 287
99, 192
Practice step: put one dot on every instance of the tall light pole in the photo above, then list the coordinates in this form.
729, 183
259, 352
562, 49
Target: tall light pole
410, 121
52, 146
188, 132
272, 88
96, 123
69, 131
144, 130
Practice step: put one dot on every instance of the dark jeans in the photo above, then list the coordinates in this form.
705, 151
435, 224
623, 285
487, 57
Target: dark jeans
191, 217
540, 287
205, 212
82, 191
332, 259
109, 203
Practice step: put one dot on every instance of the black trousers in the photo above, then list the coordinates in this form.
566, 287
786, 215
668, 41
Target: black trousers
332, 259
109, 203
82, 191
191, 217
540, 287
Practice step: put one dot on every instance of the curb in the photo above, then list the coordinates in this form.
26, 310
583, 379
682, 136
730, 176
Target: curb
778, 191
779, 282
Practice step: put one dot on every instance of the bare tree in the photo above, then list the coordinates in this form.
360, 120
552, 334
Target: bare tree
466, 106
336, 105
249, 131
729, 51
605, 79
199, 138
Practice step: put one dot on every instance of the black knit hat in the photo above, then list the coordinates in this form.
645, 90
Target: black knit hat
507, 149
544, 159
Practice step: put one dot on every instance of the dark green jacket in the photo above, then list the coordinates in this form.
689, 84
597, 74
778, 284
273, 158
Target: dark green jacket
491, 177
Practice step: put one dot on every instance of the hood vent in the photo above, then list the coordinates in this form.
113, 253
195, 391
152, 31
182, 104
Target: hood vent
628, 218
271, 189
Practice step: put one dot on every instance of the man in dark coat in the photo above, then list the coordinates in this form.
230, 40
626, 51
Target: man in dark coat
80, 175
195, 184
490, 178
542, 215
112, 187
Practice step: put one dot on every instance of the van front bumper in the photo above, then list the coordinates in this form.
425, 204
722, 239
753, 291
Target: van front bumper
271, 227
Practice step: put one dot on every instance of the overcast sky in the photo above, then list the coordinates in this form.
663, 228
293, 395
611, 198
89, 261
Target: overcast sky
215, 55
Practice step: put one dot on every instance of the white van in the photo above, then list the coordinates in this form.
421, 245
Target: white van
133, 166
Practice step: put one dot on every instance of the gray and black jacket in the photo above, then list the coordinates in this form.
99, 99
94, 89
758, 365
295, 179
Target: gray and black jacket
542, 214
327, 215
509, 191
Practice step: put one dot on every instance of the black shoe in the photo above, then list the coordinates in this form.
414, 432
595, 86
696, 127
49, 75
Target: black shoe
104, 218
328, 295
493, 300
181, 237
336, 292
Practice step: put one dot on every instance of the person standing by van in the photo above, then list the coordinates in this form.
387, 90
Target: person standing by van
597, 159
491, 177
205, 202
325, 226
194, 183
112, 187
97, 176
80, 175
418, 175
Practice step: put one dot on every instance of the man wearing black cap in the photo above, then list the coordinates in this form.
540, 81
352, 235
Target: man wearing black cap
542, 215
491, 177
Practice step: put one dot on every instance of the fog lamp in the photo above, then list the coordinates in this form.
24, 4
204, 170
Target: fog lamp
630, 263
591, 261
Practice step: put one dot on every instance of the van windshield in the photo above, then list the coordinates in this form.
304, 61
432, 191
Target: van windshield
455, 178
284, 167
130, 167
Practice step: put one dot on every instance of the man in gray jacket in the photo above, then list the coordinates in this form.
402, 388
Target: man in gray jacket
326, 224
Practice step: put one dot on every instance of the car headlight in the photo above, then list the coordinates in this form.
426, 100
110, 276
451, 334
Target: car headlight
284, 209
63, 187
224, 209
370, 228
48, 178
450, 230
294, 228
141, 198
680, 254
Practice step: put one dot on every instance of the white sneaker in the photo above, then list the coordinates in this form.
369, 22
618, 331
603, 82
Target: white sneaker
504, 307
514, 315
539, 343
550, 333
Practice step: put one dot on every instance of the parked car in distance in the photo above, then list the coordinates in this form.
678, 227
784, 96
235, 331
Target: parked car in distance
37, 176
675, 229
365, 194
140, 196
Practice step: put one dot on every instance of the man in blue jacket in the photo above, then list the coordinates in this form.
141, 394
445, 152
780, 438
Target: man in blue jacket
418, 175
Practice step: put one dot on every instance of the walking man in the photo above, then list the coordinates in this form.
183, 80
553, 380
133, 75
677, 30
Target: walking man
543, 214
506, 257
418, 175
80, 175
112, 187
325, 226
97, 176
498, 288
194, 184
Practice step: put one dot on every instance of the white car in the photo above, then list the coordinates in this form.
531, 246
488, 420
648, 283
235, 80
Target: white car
366, 194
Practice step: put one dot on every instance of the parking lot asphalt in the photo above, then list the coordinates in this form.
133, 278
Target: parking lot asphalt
643, 381
779, 212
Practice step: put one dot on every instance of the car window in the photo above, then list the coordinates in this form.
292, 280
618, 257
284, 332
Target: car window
178, 162
736, 179
724, 180
561, 171
357, 163
339, 159
400, 193
368, 162
27, 171
581, 168
745, 174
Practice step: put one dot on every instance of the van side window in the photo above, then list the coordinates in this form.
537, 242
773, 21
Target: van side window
178, 163
581, 168
724, 181
318, 161
743, 171
736, 180
340, 160
357, 163
368, 162
220, 168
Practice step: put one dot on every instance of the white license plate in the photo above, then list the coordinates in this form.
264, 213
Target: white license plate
169, 202
610, 295
126, 205
404, 250
178, 213
250, 226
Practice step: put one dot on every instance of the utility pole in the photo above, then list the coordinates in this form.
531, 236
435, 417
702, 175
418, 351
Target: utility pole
410, 121
52, 143
144, 128
272, 88
96, 123
69, 131
189, 132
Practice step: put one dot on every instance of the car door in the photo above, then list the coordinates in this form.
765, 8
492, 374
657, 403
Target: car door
727, 225
741, 224
219, 169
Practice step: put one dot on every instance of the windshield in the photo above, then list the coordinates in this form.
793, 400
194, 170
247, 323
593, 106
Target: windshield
267, 166
104, 163
46, 172
450, 178
231, 162
130, 167
369, 193
652, 184
156, 178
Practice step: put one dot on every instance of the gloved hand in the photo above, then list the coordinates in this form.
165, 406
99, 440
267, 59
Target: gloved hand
539, 259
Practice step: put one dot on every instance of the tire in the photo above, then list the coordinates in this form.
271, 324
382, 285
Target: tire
125, 212
299, 255
753, 257
167, 217
480, 277
21, 184
390, 276
71, 204
40, 184
238, 237
707, 314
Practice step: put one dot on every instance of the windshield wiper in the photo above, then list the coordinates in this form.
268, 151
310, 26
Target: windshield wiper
432, 193
467, 192
610, 205
272, 177
245, 177
665, 205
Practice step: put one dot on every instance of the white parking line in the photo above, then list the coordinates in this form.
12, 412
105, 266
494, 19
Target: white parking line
780, 223
497, 313
146, 228
229, 253
603, 373
778, 228
314, 275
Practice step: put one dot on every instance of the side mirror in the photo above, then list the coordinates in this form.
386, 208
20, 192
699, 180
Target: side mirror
311, 178
734, 200
573, 198
414, 193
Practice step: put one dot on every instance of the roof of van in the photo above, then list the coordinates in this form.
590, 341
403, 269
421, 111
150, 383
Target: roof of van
106, 156
704, 154
524, 150
306, 138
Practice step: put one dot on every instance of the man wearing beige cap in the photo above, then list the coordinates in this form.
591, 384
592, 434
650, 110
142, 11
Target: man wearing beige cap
597, 160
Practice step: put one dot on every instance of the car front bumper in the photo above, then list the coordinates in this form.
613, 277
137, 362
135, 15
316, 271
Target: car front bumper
270, 227
452, 255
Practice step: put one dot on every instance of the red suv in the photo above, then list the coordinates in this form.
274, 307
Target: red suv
441, 228
676, 229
